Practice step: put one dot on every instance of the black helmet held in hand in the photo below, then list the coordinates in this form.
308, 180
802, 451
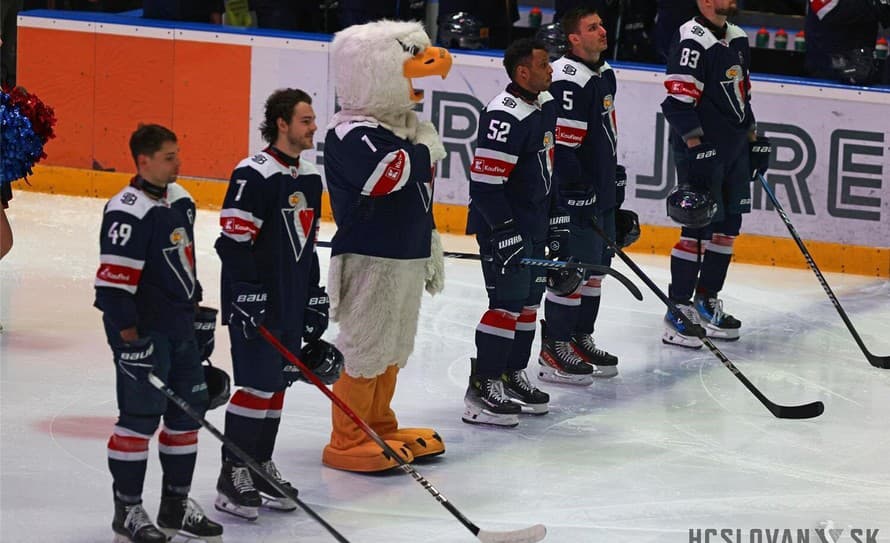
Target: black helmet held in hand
462, 30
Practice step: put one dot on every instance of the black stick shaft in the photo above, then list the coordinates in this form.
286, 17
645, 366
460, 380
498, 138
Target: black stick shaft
877, 361
783, 412
246, 458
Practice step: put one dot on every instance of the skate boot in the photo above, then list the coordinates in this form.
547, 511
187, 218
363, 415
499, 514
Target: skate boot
182, 516
718, 325
236, 493
486, 403
272, 498
529, 398
132, 524
676, 333
559, 363
604, 363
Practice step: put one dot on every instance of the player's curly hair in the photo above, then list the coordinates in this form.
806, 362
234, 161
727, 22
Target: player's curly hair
280, 105
519, 53
148, 139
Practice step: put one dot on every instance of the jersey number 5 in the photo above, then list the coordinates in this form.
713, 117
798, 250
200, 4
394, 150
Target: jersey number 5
689, 57
498, 130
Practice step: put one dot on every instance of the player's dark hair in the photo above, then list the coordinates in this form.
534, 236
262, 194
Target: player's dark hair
571, 21
148, 139
519, 53
280, 105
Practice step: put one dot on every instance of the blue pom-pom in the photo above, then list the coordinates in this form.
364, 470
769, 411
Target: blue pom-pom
20, 147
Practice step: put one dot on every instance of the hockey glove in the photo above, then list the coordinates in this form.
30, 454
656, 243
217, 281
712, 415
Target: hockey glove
248, 308
135, 359
702, 163
558, 234
508, 247
627, 228
759, 152
315, 316
205, 328
578, 199
620, 184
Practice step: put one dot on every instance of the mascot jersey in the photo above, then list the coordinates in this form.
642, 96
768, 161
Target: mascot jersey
273, 201
586, 132
381, 191
511, 173
707, 84
146, 274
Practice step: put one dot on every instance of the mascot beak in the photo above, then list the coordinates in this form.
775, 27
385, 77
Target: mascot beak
430, 61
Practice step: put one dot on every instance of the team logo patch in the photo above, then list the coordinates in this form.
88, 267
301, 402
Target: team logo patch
734, 72
294, 172
568, 69
299, 221
509, 102
180, 257
608, 101
259, 159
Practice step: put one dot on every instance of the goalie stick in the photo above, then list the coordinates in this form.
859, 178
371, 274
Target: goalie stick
806, 411
246, 458
882, 362
532, 534
544, 263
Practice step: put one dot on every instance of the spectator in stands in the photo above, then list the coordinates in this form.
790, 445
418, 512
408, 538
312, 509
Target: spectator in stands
841, 38
9, 10
193, 11
497, 16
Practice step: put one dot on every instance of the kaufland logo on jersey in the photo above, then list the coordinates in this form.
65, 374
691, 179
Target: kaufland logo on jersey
566, 135
235, 227
480, 165
119, 277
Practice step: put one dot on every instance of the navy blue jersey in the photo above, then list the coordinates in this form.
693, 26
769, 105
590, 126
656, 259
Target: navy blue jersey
269, 225
708, 85
147, 276
837, 27
381, 189
512, 172
586, 128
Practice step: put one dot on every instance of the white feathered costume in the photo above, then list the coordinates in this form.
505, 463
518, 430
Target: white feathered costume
378, 164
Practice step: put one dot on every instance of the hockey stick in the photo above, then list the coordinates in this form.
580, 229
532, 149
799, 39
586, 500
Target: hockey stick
532, 534
882, 362
544, 263
246, 458
806, 411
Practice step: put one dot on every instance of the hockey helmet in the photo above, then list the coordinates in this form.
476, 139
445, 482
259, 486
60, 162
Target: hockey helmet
627, 227
554, 38
462, 30
325, 360
219, 385
564, 281
690, 207
855, 67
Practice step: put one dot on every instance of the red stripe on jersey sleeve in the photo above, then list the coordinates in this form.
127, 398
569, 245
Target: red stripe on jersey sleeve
391, 176
237, 226
569, 134
684, 88
491, 166
120, 275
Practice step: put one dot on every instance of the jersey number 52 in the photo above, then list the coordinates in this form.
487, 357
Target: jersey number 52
498, 130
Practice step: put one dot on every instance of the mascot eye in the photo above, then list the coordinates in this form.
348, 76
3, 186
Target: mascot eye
412, 50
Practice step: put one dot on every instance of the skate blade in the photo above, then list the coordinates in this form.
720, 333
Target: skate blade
225, 505
530, 408
484, 417
553, 375
672, 337
715, 332
185, 535
274, 503
604, 372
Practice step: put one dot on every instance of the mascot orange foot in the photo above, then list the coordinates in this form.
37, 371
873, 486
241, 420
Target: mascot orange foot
351, 449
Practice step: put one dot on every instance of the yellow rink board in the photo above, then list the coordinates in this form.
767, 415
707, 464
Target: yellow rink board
749, 248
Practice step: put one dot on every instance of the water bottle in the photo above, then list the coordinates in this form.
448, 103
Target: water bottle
762, 38
534, 17
781, 40
800, 42
881, 48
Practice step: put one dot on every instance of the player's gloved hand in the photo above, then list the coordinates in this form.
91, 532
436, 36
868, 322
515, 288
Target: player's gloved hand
759, 152
577, 198
558, 234
627, 228
248, 308
205, 328
427, 135
135, 359
508, 247
702, 163
315, 316
620, 184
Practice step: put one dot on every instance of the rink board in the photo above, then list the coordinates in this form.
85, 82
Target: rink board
209, 84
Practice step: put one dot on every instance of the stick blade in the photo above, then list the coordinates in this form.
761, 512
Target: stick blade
807, 411
882, 362
532, 534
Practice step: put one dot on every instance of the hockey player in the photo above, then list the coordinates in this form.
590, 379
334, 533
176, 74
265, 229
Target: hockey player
511, 200
591, 185
270, 276
717, 153
147, 290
